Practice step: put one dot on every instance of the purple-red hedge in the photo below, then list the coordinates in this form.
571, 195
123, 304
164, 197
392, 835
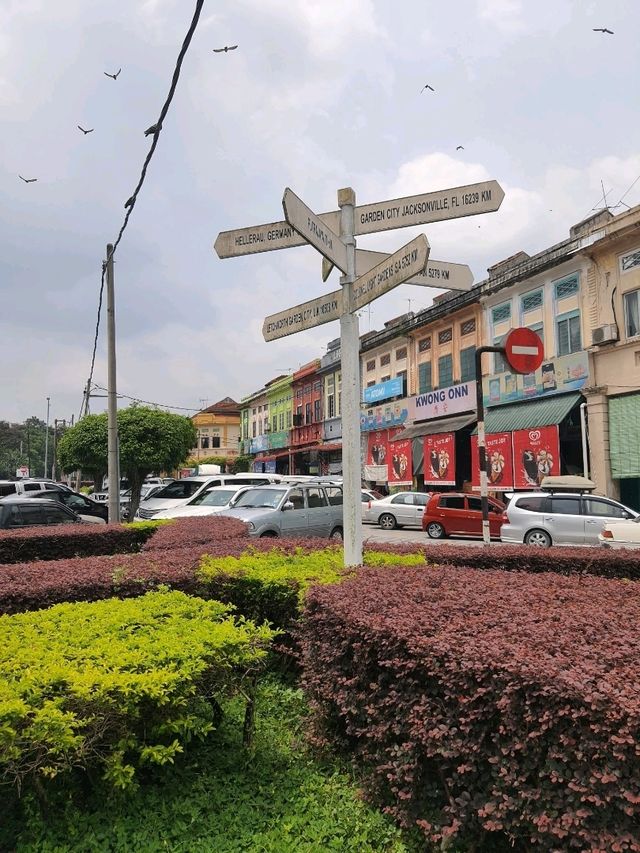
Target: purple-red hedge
185, 532
486, 702
527, 558
69, 540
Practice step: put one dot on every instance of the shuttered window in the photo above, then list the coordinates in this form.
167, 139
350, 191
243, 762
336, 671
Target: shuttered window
468, 364
501, 313
445, 371
566, 287
445, 336
624, 447
568, 330
531, 301
424, 345
424, 378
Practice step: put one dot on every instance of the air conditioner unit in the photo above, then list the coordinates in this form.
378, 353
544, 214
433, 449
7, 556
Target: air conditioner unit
605, 335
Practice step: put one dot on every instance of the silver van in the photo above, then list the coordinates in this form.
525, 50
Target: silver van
296, 509
180, 492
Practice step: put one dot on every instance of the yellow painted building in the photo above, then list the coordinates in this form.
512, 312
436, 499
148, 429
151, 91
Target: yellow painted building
218, 429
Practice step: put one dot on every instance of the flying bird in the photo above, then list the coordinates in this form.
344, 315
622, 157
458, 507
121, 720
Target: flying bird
113, 76
224, 49
85, 131
602, 30
427, 86
460, 148
27, 180
150, 131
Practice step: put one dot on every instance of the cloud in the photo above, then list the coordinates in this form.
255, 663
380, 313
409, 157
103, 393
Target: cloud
505, 15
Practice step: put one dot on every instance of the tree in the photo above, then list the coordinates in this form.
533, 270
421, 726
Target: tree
151, 441
22, 444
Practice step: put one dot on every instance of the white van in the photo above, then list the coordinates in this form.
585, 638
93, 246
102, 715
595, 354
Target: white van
23, 487
180, 492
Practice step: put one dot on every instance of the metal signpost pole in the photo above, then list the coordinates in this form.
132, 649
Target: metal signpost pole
482, 446
46, 440
350, 368
113, 462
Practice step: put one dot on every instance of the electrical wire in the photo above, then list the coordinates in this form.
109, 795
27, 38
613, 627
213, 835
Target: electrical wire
143, 173
149, 402
627, 192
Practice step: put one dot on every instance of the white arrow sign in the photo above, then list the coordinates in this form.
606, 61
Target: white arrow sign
437, 274
454, 203
408, 261
324, 309
314, 230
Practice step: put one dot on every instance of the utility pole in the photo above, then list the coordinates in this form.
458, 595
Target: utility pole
55, 437
113, 467
46, 441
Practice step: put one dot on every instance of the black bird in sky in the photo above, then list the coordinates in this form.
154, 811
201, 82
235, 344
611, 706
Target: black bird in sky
129, 202
602, 30
153, 129
224, 49
85, 131
113, 76
460, 148
27, 180
427, 86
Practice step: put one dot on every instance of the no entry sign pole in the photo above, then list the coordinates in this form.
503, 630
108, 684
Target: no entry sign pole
350, 366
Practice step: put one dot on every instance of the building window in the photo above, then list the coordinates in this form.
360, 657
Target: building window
424, 345
531, 301
253, 429
632, 313
215, 441
307, 413
568, 332
630, 261
445, 371
281, 421
445, 336
371, 365
566, 287
402, 374
253, 411
538, 328
299, 394
266, 407
468, 327
274, 423
385, 359
401, 353
204, 443
307, 390
331, 406
386, 378
501, 313
424, 378
468, 364
289, 418
316, 411
371, 383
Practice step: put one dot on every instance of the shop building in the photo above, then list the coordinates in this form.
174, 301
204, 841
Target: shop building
306, 432
217, 430
329, 374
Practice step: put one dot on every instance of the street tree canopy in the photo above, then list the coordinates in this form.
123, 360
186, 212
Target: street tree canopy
150, 441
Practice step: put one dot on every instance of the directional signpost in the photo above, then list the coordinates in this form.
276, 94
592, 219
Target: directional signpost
366, 276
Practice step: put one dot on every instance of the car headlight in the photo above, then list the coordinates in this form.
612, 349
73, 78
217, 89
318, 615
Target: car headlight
250, 525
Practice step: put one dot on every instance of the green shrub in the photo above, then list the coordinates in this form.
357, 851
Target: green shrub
116, 683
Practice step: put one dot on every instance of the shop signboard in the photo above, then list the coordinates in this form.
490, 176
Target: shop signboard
444, 401
384, 416
384, 390
440, 459
259, 443
499, 462
278, 440
554, 376
400, 465
536, 454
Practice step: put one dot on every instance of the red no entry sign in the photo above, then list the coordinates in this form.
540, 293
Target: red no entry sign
523, 350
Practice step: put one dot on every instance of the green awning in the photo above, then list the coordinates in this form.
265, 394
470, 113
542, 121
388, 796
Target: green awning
624, 439
530, 414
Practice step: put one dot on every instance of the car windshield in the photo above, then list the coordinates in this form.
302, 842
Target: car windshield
179, 489
214, 498
260, 498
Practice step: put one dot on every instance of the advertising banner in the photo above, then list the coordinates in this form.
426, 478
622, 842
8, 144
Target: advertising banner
440, 459
555, 376
499, 462
384, 390
378, 447
400, 463
536, 454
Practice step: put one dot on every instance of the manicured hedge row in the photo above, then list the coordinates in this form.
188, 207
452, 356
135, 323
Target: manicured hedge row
71, 540
567, 561
486, 702
116, 684
185, 532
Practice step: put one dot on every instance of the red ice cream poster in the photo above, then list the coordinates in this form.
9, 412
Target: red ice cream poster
440, 459
378, 447
536, 454
400, 463
499, 462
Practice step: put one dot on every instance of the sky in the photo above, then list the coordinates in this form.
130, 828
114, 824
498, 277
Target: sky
317, 96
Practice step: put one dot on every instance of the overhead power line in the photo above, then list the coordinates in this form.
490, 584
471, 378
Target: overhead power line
150, 402
132, 200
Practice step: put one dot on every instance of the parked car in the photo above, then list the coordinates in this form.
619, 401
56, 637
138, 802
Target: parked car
80, 504
21, 511
302, 509
459, 514
560, 518
621, 534
209, 502
180, 491
403, 508
23, 487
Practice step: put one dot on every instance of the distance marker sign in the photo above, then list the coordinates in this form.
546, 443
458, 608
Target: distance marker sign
523, 350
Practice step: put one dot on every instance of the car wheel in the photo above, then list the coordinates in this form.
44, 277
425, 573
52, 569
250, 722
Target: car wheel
435, 530
387, 521
336, 534
269, 534
538, 538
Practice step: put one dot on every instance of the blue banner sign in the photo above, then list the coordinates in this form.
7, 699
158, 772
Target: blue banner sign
384, 390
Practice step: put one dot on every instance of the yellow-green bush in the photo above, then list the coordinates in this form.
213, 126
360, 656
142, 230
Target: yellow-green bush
116, 683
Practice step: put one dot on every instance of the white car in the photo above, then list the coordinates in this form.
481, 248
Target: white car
403, 508
621, 534
209, 502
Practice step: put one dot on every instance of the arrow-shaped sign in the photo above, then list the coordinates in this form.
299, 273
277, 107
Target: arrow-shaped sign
395, 269
303, 220
437, 274
315, 312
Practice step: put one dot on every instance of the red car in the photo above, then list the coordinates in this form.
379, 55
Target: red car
458, 514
